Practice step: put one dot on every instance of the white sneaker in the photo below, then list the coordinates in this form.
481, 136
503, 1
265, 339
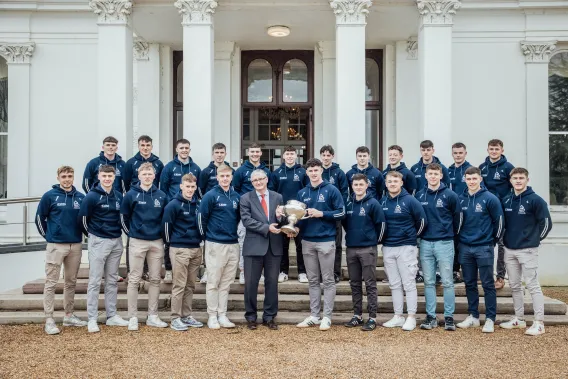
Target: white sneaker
536, 329
93, 327
133, 324
73, 321
116, 320
154, 321
50, 327
515, 323
224, 322
325, 323
303, 278
168, 276
469, 322
489, 326
409, 324
261, 281
204, 278
242, 277
309, 321
395, 322
282, 277
213, 323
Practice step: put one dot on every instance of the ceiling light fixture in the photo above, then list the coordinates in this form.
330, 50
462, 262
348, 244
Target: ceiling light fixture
278, 31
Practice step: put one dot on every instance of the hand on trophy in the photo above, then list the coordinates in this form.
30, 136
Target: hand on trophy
273, 228
290, 234
279, 211
312, 212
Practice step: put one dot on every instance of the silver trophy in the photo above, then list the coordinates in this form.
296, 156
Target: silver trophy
294, 210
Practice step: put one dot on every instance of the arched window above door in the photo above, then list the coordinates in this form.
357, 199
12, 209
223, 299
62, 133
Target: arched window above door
295, 81
259, 81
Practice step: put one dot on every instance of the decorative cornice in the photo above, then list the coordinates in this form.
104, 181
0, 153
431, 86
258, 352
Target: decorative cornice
15, 53
412, 49
112, 11
438, 12
224, 51
196, 11
326, 49
350, 12
538, 52
141, 50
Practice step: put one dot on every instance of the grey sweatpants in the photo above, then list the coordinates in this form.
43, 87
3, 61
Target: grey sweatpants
104, 259
523, 263
319, 257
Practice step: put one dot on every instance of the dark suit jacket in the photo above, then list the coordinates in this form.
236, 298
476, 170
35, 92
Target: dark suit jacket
258, 237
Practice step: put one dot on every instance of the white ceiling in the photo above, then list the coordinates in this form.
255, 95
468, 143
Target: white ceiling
245, 22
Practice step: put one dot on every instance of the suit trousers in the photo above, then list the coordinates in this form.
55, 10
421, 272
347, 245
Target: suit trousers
285, 262
253, 269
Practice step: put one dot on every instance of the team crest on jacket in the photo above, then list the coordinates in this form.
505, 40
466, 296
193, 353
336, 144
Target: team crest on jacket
362, 212
296, 178
397, 209
157, 203
117, 206
522, 210
76, 205
117, 172
234, 204
321, 198
439, 203
497, 176
331, 180
478, 208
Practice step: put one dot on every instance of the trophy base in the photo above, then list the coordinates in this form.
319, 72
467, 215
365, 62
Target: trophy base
287, 229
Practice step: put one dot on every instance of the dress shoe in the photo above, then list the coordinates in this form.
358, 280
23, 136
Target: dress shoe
251, 325
271, 324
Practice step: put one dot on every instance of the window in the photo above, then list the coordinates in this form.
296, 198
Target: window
177, 97
295, 82
3, 128
373, 105
558, 127
259, 81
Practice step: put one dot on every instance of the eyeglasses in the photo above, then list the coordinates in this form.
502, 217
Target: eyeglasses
258, 180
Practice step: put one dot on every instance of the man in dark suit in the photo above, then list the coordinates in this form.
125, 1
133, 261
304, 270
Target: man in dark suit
262, 248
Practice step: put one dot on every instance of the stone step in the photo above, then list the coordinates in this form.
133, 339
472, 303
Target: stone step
288, 287
294, 260
338, 318
294, 303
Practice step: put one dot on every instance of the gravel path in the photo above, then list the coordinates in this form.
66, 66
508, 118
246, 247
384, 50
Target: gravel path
26, 352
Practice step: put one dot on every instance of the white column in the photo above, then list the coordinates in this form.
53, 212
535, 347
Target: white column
115, 77
537, 56
198, 54
435, 60
166, 103
236, 110
222, 104
328, 127
147, 58
389, 112
350, 17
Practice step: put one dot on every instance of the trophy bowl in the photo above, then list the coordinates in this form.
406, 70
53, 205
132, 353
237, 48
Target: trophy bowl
294, 210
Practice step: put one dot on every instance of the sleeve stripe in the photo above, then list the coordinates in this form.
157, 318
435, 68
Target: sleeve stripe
199, 223
87, 184
124, 225
421, 226
38, 221
461, 222
167, 232
545, 228
382, 230
341, 214
500, 227
85, 224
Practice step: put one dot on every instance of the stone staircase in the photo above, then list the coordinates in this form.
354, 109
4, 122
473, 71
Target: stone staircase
25, 305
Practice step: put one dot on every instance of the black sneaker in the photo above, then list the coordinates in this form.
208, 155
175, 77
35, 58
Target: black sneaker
419, 278
438, 279
457, 277
337, 279
355, 321
369, 326
429, 323
449, 325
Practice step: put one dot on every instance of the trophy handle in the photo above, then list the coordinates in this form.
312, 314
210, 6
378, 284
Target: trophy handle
306, 216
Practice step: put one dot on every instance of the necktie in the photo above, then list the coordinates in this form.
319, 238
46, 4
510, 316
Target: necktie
263, 203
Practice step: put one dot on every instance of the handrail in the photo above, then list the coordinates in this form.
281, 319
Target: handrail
20, 200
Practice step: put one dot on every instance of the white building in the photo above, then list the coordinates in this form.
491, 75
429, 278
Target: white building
349, 73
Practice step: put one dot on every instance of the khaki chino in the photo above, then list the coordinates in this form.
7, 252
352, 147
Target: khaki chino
68, 255
222, 262
153, 252
185, 267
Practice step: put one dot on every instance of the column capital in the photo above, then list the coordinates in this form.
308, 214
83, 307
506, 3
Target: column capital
438, 12
196, 11
538, 52
141, 50
17, 53
350, 12
412, 49
112, 11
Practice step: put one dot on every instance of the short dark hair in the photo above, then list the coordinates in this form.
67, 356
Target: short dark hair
395, 147
519, 170
110, 139
255, 145
219, 146
327, 148
433, 167
495, 142
107, 168
313, 162
426, 144
359, 176
459, 145
144, 138
290, 148
182, 141
362, 149
472, 171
